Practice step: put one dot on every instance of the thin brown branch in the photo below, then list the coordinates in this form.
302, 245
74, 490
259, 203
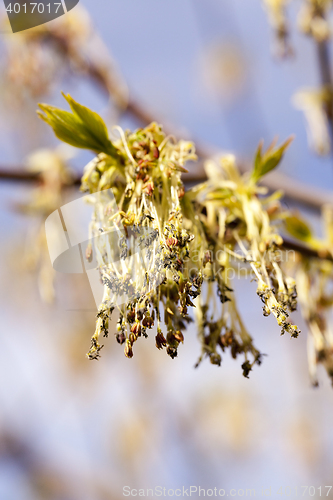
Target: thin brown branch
15, 175
326, 80
324, 63
325, 71
305, 250
294, 190
20, 174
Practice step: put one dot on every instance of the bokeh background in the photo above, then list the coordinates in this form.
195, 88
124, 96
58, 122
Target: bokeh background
71, 429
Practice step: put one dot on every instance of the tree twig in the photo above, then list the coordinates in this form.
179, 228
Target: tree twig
292, 189
325, 70
26, 176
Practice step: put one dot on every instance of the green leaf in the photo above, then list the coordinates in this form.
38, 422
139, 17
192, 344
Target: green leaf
298, 228
81, 128
257, 159
266, 162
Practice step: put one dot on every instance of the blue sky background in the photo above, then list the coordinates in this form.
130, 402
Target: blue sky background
92, 428
159, 48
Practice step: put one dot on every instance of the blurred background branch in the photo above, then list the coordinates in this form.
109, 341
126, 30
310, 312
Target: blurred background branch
293, 190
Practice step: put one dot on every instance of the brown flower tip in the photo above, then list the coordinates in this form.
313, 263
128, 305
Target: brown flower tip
120, 337
171, 241
128, 349
160, 340
207, 258
149, 188
136, 329
246, 366
172, 352
178, 336
181, 192
147, 322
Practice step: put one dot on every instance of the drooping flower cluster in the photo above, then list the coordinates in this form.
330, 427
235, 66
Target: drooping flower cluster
314, 278
146, 183
314, 103
162, 250
241, 232
54, 176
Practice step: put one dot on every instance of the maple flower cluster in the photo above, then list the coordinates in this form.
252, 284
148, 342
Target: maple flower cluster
162, 250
